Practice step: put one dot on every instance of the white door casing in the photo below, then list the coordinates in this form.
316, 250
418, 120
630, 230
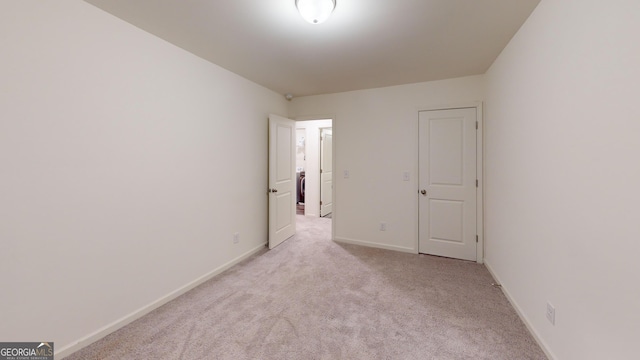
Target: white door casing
447, 183
326, 171
282, 179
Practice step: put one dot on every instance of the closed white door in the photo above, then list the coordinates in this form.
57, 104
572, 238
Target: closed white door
326, 172
447, 207
282, 179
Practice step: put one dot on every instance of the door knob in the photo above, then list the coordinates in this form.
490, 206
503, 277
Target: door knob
274, 190
423, 192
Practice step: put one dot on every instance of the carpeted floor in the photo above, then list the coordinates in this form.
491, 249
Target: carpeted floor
311, 298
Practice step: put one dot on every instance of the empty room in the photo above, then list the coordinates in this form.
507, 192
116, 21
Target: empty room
482, 171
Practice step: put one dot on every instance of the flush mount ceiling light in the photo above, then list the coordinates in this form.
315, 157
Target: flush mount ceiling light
315, 11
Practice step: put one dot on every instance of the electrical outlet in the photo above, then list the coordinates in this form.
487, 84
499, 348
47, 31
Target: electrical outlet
383, 226
551, 314
236, 238
345, 174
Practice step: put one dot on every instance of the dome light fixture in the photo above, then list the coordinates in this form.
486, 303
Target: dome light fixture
315, 11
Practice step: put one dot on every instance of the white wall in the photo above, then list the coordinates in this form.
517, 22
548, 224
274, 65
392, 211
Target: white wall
562, 210
376, 140
312, 170
127, 164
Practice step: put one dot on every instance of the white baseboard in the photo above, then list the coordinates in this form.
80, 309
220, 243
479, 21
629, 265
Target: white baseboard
108, 329
524, 319
375, 245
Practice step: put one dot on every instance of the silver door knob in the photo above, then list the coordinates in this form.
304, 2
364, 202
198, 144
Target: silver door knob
423, 192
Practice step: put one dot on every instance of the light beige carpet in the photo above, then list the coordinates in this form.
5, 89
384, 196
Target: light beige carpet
311, 298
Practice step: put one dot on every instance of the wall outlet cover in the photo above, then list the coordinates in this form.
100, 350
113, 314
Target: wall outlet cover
551, 314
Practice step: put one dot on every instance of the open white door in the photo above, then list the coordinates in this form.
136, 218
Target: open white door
326, 172
447, 165
282, 179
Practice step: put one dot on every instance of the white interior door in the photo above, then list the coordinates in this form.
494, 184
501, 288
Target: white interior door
447, 165
282, 179
326, 172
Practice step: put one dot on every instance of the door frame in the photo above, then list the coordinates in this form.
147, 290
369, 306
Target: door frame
332, 117
479, 172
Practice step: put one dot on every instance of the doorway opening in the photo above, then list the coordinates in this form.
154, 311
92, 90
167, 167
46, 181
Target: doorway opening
314, 168
301, 162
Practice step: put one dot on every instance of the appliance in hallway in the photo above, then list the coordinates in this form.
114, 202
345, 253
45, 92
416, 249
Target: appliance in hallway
300, 192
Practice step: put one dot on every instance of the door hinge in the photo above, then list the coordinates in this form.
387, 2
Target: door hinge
476, 125
320, 171
476, 238
476, 182
320, 202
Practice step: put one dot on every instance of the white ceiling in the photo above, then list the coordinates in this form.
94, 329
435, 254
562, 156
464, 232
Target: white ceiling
365, 43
